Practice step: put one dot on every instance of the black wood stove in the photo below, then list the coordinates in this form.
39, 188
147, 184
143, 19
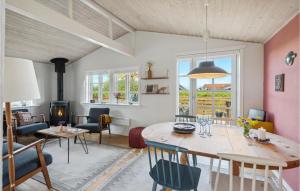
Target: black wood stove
60, 109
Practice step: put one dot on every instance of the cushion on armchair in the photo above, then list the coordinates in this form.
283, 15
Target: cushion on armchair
93, 127
25, 162
31, 128
24, 118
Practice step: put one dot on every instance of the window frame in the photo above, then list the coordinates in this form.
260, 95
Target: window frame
113, 85
235, 97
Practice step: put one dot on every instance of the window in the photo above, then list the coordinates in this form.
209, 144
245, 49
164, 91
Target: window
214, 97
98, 88
22, 103
113, 88
126, 87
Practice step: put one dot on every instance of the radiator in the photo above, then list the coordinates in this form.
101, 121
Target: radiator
120, 121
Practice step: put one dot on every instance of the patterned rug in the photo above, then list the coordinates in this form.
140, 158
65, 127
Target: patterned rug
136, 177
83, 168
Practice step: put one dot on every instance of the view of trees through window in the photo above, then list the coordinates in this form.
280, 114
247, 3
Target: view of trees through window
127, 86
118, 88
208, 96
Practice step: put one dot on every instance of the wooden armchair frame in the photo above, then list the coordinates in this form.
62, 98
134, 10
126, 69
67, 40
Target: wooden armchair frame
11, 153
42, 168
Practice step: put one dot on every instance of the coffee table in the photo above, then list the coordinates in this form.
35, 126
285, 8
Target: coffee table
66, 133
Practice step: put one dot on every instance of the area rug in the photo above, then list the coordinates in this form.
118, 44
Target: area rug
83, 168
136, 177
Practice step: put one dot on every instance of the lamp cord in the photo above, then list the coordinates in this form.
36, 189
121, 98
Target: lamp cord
206, 31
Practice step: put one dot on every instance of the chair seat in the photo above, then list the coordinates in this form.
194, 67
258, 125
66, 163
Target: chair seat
224, 183
25, 162
186, 181
31, 128
93, 127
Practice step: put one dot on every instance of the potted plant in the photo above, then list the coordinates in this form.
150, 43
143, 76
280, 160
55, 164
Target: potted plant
247, 124
117, 95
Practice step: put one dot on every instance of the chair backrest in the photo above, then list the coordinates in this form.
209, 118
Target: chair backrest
95, 113
223, 121
253, 161
185, 118
160, 150
257, 114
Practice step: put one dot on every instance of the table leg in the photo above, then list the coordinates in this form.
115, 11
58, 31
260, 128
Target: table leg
46, 139
59, 139
83, 144
68, 149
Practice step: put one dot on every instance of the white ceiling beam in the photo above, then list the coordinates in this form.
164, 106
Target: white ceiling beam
41, 13
99, 9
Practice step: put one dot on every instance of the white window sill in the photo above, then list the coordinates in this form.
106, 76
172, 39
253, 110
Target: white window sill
110, 104
27, 106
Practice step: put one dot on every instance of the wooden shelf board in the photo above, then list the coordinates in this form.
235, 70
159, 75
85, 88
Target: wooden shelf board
155, 93
155, 78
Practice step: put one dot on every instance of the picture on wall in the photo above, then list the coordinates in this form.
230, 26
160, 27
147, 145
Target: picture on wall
279, 83
152, 88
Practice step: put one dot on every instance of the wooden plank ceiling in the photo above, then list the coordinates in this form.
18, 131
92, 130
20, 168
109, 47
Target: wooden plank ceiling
30, 39
245, 20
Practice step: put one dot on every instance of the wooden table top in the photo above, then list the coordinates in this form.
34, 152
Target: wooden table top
67, 133
226, 139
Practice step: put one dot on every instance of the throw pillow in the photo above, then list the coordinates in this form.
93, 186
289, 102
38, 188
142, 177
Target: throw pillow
23, 118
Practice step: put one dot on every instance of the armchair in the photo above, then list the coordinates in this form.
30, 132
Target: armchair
27, 162
94, 122
25, 123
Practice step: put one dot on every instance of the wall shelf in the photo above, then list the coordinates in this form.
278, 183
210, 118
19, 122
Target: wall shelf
155, 93
156, 78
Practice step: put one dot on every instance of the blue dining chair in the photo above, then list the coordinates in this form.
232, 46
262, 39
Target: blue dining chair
168, 173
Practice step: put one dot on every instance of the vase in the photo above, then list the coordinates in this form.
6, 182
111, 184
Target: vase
149, 73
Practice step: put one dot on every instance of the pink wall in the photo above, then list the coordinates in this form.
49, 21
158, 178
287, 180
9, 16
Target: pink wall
283, 107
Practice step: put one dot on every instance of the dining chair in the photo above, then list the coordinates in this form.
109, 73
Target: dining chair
170, 174
223, 121
185, 118
245, 183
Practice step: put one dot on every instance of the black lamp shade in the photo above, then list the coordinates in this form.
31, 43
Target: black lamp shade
207, 69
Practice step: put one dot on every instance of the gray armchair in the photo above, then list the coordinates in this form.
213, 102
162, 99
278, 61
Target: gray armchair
38, 123
94, 123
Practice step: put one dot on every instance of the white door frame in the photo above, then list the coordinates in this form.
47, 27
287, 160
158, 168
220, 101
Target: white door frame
2, 47
236, 78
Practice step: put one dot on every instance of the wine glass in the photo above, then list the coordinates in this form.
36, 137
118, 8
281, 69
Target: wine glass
202, 132
209, 123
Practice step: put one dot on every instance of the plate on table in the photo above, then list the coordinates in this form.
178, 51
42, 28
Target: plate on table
266, 141
184, 128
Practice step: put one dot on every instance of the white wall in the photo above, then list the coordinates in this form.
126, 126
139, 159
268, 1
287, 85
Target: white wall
162, 50
46, 79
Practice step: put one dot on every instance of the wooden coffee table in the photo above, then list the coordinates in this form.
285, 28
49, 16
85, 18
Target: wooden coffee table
67, 133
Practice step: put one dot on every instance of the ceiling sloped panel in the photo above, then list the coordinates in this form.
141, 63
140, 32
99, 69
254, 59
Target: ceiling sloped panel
30, 39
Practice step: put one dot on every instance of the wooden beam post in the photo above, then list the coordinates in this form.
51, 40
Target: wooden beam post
43, 14
10, 145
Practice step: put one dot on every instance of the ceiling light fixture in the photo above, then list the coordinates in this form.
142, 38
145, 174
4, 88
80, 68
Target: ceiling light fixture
207, 69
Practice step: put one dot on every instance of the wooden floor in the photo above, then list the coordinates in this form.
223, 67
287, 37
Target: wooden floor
116, 140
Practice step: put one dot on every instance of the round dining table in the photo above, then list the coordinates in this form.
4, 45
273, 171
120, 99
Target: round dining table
226, 139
